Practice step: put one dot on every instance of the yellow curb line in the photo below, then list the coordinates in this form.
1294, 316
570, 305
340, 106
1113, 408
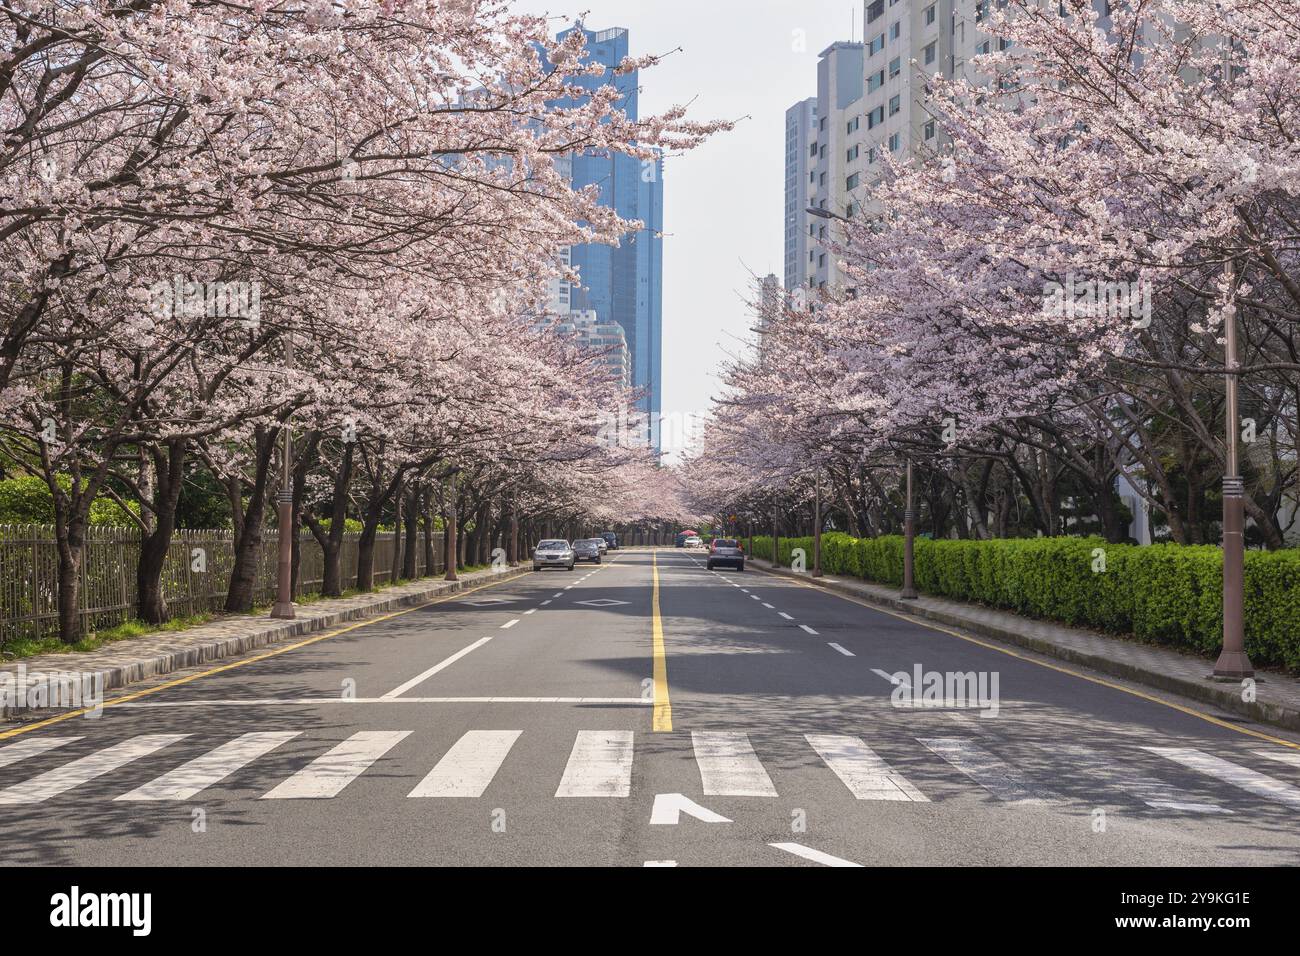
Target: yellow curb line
663, 710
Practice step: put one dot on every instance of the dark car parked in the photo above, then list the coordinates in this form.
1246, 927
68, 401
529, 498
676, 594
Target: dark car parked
588, 549
611, 539
725, 552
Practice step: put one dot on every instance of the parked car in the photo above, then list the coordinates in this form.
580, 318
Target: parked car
725, 552
553, 553
611, 539
693, 542
602, 544
588, 549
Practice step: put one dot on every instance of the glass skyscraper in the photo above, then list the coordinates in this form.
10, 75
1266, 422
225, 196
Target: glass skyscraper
624, 283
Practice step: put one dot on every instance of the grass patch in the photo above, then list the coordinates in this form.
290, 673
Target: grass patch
30, 647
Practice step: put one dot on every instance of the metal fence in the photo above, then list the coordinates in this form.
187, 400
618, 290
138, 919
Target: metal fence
195, 576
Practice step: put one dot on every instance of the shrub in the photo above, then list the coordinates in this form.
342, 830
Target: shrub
1164, 593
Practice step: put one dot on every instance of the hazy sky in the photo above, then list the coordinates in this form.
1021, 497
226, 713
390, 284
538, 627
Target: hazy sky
723, 202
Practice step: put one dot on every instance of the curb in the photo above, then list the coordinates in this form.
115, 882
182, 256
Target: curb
179, 658
1280, 715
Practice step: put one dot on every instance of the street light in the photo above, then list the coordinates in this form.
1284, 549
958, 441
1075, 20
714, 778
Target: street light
284, 591
908, 593
1233, 663
825, 214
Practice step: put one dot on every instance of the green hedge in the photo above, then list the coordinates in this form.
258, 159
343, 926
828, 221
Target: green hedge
1163, 593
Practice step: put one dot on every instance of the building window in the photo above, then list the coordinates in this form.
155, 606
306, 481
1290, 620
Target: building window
875, 11
928, 16
877, 44
895, 103
872, 154
823, 151
851, 154
927, 56
851, 126
895, 66
821, 261
875, 117
929, 129
875, 81
895, 141
851, 182
982, 47
895, 29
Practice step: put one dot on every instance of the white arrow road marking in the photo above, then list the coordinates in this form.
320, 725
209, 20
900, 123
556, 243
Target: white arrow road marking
212, 767
425, 675
808, 853
601, 602
669, 807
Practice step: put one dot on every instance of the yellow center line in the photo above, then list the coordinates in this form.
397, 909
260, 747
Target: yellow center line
663, 710
37, 725
1190, 711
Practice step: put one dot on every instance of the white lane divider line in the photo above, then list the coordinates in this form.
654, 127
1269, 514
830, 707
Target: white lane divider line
510, 623
30, 747
728, 765
895, 679
469, 766
423, 676
600, 765
531, 610
997, 777
1252, 781
816, 856
558, 594
546, 602
784, 615
755, 597
808, 629
328, 774
842, 650
768, 606
203, 771
61, 779
862, 770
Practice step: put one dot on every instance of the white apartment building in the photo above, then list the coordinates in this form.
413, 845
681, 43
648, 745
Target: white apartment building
608, 338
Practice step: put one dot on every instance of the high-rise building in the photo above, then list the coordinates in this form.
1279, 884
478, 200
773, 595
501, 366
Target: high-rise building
800, 154
624, 283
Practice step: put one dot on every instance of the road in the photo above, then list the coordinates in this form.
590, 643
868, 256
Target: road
559, 719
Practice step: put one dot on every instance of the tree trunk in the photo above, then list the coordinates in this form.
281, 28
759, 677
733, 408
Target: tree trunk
411, 513
168, 472
450, 527
243, 576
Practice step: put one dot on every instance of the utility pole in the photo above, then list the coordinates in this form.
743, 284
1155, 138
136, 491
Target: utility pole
1233, 663
909, 537
817, 526
284, 498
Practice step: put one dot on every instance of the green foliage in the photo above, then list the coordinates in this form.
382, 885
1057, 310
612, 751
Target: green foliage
1164, 593
27, 500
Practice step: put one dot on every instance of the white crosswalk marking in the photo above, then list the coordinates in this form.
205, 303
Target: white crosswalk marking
863, 771
1151, 791
202, 772
599, 766
327, 775
31, 747
998, 778
61, 779
728, 765
469, 766
1289, 757
1252, 781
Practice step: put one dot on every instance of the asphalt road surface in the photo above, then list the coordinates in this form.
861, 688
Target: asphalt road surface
647, 712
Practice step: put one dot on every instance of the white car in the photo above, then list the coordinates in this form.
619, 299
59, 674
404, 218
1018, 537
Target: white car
553, 553
693, 542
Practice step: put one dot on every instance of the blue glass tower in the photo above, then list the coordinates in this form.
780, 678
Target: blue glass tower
624, 283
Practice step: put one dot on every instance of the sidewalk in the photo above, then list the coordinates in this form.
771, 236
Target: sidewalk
140, 658
1277, 695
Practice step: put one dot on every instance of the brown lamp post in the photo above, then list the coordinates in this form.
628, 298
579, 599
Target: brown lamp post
284, 498
1233, 663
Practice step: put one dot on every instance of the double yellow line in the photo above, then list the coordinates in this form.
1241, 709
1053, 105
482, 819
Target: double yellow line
663, 708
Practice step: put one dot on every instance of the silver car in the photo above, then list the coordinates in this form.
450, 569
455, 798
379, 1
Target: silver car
553, 553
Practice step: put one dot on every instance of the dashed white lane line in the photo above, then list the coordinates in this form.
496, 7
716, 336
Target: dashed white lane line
510, 623
808, 629
892, 678
558, 594
754, 597
768, 606
846, 653
784, 615
546, 602
531, 610
808, 853
423, 676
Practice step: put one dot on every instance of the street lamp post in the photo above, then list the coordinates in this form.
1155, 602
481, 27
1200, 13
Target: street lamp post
909, 536
284, 591
817, 528
1233, 663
